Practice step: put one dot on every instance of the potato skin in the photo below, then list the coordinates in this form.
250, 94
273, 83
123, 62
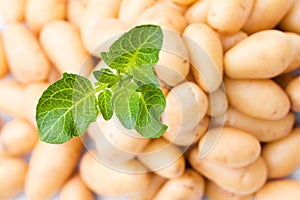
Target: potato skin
263, 99
266, 14
110, 182
62, 43
17, 138
202, 42
265, 54
12, 173
242, 181
295, 38
279, 189
189, 186
283, 164
264, 130
27, 62
165, 16
163, 158
47, 159
39, 13
3, 61
292, 90
247, 146
75, 189
12, 10
291, 20
197, 12
230, 16
215, 192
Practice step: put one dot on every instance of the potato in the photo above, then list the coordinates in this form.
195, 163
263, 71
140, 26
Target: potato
151, 191
54, 75
295, 38
217, 103
206, 55
62, 43
75, 11
279, 189
32, 92
290, 22
12, 173
184, 2
263, 130
165, 16
247, 146
49, 167
292, 90
190, 138
163, 158
114, 144
97, 32
11, 93
186, 106
12, 10
3, 62
39, 13
266, 14
130, 10
230, 16
121, 137
189, 186
181, 8
265, 54
76, 190
102, 8
197, 12
171, 68
27, 62
229, 41
281, 156
241, 181
17, 138
128, 179
262, 99
215, 192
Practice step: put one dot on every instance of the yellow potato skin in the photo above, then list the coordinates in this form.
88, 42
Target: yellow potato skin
247, 145
266, 14
263, 99
283, 164
265, 54
12, 10
292, 90
264, 130
242, 181
13, 174
26, 59
3, 61
291, 20
228, 17
279, 189
47, 159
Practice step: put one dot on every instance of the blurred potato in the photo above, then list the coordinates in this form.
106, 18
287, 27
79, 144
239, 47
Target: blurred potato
12, 173
39, 13
197, 12
17, 138
292, 90
26, 59
12, 10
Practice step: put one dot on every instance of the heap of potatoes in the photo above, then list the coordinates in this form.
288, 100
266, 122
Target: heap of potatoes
242, 82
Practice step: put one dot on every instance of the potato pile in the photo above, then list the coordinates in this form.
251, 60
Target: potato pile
248, 90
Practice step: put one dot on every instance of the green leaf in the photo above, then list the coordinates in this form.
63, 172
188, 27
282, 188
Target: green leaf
126, 105
66, 109
105, 104
151, 105
107, 76
145, 75
139, 46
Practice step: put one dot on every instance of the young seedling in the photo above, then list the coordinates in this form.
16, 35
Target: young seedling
127, 87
